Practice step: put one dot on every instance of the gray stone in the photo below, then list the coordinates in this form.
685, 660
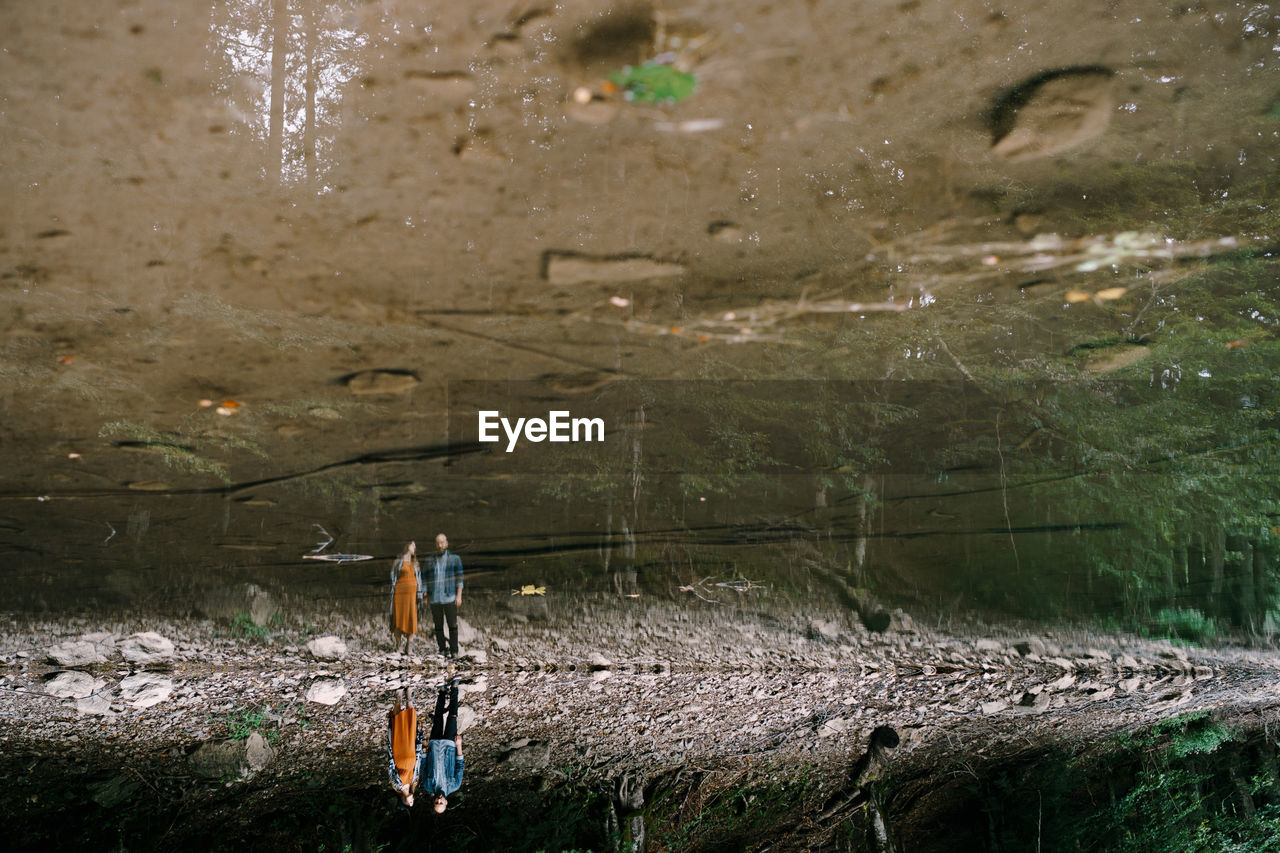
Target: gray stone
479, 685
562, 268
258, 753
476, 655
1030, 646
989, 645
144, 690
1055, 112
1062, 683
327, 648
900, 622
326, 691
834, 726
823, 629
96, 705
501, 645
628, 793
72, 685
532, 607
466, 717
502, 702
230, 602
113, 792
235, 759
381, 382
466, 634
529, 759
75, 653
1034, 703
147, 647
1103, 694
994, 707
598, 661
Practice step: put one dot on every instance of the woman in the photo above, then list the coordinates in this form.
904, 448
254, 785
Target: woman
404, 748
406, 595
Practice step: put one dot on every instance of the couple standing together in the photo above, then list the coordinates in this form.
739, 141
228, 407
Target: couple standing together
443, 589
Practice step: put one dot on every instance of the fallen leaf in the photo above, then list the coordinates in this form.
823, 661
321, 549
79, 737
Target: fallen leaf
1111, 293
1074, 296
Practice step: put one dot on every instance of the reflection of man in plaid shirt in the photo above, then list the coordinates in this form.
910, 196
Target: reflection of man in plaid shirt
443, 758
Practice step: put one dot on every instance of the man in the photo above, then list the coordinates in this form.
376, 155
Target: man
404, 748
445, 585
443, 757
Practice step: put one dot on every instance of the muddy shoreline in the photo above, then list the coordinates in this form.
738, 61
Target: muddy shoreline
752, 705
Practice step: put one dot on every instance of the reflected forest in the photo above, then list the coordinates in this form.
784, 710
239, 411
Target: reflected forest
640, 426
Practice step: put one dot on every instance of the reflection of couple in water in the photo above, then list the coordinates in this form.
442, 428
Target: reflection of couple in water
437, 769
443, 589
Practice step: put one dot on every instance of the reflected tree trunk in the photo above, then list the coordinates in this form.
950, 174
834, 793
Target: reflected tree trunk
309, 129
279, 56
1262, 587
1239, 592
859, 557
1217, 553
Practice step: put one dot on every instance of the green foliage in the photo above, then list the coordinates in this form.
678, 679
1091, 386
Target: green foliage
246, 722
1183, 623
731, 814
1172, 786
654, 83
568, 816
243, 626
186, 451
265, 719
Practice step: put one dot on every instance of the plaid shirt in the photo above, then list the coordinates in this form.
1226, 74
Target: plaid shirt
446, 577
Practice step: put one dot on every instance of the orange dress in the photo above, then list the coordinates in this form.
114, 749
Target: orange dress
404, 746
404, 603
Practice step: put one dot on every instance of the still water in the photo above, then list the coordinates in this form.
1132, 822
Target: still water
915, 367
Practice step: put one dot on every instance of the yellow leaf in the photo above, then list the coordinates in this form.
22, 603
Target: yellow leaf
1111, 293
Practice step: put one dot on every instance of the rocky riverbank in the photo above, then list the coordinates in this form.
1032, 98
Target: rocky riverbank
199, 722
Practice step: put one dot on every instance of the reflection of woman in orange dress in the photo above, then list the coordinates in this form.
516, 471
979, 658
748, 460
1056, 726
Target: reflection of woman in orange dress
406, 595
404, 748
